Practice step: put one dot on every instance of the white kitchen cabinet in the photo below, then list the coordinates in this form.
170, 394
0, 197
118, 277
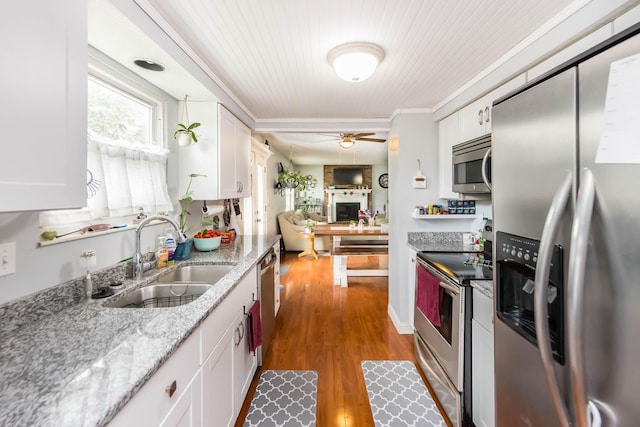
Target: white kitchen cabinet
276, 282
235, 155
170, 397
187, 411
475, 118
44, 93
222, 154
229, 367
448, 137
482, 361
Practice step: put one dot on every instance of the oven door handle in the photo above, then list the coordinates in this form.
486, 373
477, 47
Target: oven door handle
545, 252
452, 288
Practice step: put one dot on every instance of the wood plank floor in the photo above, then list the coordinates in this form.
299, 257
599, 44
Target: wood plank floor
331, 329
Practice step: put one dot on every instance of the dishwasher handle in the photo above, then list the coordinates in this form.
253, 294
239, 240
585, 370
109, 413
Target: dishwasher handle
268, 261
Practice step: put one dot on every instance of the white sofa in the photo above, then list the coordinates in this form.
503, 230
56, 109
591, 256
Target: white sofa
291, 223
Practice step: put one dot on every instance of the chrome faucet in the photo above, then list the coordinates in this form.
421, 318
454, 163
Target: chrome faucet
140, 267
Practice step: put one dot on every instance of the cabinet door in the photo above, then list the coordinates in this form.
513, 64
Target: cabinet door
483, 382
187, 410
44, 94
448, 137
245, 362
243, 159
217, 383
472, 120
227, 183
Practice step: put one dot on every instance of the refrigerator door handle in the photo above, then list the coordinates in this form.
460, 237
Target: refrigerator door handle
580, 231
554, 216
484, 168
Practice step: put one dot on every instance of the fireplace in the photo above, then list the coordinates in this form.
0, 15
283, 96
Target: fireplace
347, 211
356, 198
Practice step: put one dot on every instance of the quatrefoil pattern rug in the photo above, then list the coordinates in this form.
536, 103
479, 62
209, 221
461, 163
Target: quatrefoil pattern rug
398, 396
284, 399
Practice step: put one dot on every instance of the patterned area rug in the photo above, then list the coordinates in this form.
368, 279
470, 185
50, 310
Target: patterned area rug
284, 399
398, 396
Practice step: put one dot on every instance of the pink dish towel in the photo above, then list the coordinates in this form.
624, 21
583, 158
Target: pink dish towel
428, 296
255, 327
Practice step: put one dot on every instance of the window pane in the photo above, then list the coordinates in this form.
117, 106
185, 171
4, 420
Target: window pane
115, 115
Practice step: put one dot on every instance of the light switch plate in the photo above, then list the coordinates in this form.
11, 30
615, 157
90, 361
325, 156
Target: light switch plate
7, 258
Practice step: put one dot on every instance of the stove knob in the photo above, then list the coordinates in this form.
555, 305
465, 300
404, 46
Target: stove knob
527, 257
519, 254
535, 258
513, 252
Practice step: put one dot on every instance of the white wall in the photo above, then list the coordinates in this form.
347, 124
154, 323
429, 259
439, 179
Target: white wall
379, 195
413, 136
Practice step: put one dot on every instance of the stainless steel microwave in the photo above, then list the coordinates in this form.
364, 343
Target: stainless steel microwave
472, 167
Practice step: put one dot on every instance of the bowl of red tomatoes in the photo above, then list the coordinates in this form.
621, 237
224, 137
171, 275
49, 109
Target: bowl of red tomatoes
207, 240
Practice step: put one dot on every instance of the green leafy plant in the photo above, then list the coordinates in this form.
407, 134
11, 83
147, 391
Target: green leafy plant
185, 201
184, 129
293, 179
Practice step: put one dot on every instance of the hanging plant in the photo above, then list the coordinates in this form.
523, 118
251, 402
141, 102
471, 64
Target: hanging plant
185, 134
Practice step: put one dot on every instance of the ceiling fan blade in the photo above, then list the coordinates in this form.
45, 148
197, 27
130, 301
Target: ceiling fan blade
372, 139
359, 135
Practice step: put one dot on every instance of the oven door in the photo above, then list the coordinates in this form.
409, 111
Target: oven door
446, 340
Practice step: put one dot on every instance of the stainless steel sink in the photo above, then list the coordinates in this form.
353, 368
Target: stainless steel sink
196, 274
179, 287
161, 295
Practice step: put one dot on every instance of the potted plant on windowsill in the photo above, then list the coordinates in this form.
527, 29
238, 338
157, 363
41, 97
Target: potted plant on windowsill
185, 134
183, 250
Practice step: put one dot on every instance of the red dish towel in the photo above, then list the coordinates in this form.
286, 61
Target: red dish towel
255, 327
428, 296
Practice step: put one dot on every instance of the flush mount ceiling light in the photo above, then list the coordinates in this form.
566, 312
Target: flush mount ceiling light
355, 62
148, 64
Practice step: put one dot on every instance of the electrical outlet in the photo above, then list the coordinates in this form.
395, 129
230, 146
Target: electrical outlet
7, 258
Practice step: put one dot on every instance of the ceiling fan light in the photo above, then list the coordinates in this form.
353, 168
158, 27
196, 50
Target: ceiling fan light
355, 62
346, 143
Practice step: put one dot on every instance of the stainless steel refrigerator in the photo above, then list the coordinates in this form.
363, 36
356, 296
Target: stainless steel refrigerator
566, 171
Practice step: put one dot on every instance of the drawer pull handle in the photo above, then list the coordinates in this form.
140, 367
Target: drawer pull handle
171, 389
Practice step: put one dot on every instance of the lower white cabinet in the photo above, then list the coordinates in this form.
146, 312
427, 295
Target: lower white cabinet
205, 381
482, 365
168, 398
229, 367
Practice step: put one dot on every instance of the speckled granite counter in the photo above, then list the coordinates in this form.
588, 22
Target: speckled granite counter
484, 286
438, 242
81, 365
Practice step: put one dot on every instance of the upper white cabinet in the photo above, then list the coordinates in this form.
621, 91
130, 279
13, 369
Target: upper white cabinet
448, 137
235, 155
44, 94
475, 118
223, 154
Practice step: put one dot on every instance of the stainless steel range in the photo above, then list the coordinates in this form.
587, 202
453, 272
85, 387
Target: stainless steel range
442, 322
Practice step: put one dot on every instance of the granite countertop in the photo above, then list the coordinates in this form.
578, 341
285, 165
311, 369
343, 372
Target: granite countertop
81, 365
484, 286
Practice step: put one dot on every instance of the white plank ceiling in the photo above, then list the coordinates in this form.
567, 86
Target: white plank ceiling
271, 54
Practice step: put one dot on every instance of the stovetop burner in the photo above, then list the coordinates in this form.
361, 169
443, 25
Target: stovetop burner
460, 267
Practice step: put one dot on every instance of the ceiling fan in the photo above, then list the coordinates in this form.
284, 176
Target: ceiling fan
347, 140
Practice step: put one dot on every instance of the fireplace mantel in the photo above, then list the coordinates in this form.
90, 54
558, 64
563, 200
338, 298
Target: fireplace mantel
341, 195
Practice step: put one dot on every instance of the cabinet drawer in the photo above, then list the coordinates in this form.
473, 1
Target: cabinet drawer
483, 310
152, 402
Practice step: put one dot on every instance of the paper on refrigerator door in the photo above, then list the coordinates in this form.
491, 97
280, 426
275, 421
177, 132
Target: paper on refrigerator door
620, 138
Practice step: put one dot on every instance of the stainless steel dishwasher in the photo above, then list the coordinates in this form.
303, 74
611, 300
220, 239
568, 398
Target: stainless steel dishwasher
267, 301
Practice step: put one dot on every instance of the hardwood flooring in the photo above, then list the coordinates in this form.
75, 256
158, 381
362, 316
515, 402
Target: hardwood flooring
331, 329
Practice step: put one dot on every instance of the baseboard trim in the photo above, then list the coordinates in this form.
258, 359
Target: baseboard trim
403, 328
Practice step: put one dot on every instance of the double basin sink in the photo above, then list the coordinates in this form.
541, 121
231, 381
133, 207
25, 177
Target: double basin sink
179, 287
